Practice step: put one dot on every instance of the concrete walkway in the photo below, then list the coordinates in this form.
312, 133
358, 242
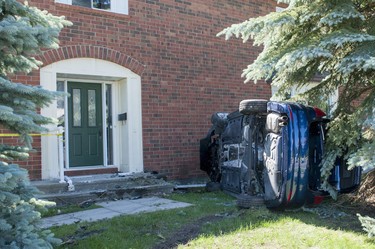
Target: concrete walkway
111, 209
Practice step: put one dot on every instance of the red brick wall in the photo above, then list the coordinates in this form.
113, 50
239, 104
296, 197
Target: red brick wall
189, 72
33, 164
34, 161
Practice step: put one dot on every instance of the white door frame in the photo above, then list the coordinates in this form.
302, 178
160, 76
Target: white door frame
126, 89
104, 123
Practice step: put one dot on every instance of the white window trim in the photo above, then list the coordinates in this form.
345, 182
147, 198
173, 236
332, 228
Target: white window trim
117, 6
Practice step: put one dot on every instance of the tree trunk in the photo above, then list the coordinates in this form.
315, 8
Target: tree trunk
366, 192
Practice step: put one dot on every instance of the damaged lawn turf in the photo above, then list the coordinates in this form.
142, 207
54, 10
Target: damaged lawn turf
214, 221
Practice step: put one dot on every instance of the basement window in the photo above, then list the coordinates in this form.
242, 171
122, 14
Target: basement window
116, 6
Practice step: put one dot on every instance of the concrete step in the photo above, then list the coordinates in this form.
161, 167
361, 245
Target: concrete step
50, 186
103, 187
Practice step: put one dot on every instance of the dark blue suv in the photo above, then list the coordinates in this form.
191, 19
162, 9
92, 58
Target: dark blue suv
270, 152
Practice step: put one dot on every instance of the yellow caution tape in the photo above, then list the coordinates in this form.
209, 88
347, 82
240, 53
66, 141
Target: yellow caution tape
32, 134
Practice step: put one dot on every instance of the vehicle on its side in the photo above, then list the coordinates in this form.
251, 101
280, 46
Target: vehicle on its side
270, 152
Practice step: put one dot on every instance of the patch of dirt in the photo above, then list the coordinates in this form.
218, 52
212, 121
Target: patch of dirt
348, 205
187, 232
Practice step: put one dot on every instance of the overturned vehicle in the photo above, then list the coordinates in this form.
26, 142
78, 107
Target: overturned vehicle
270, 152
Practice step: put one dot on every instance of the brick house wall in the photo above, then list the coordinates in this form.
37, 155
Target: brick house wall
187, 72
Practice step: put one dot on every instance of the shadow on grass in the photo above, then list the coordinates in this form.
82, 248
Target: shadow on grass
212, 214
326, 216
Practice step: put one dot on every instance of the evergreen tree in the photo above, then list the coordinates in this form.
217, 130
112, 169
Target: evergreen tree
24, 32
331, 38
368, 225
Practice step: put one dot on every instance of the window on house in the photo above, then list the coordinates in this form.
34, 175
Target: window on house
117, 6
95, 4
101, 4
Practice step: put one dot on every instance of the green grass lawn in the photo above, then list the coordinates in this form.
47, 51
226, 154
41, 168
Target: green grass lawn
285, 232
215, 222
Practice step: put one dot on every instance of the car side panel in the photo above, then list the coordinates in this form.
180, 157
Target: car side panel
232, 154
344, 180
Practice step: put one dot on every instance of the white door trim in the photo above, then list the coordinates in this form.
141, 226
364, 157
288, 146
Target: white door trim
127, 157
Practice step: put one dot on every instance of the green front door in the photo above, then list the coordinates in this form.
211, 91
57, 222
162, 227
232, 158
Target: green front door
85, 124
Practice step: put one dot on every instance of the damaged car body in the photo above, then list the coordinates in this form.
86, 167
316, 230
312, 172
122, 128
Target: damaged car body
270, 152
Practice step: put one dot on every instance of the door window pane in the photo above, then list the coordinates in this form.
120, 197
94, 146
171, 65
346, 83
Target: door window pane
92, 107
77, 116
108, 113
60, 104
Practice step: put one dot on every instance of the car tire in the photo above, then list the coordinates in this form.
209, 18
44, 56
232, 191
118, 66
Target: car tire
248, 201
253, 106
213, 186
